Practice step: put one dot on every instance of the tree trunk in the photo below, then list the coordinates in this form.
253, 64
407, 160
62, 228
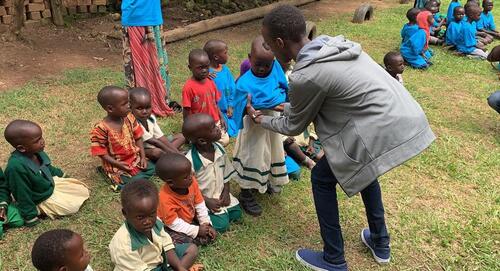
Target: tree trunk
57, 17
19, 16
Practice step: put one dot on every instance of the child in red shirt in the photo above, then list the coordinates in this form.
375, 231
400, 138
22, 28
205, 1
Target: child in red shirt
117, 140
181, 202
200, 95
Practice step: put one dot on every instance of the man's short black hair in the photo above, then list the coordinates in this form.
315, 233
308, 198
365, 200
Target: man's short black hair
139, 189
286, 22
389, 57
106, 95
49, 250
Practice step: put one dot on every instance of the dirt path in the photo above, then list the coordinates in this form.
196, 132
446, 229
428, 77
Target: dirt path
47, 50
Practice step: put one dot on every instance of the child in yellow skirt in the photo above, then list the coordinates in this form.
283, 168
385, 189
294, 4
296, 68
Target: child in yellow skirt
36, 185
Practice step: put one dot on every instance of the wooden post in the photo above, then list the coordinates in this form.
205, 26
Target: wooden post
19, 16
57, 17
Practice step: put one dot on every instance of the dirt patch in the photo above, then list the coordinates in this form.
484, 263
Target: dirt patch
93, 43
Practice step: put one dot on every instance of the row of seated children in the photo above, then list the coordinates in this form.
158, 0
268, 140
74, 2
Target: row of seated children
32, 187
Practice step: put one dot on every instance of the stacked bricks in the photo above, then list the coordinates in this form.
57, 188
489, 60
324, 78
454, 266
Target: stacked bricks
36, 10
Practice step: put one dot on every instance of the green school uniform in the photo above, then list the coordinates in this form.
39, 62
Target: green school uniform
13, 217
30, 183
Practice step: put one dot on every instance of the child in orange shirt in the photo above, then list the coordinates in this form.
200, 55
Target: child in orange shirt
117, 140
181, 202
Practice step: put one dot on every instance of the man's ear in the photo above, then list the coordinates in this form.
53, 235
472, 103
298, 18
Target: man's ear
280, 42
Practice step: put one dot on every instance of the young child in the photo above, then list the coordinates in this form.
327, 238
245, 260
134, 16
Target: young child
60, 250
224, 80
411, 27
486, 22
154, 141
259, 157
434, 30
394, 65
305, 148
181, 206
453, 33
9, 214
467, 43
200, 95
36, 185
451, 9
213, 170
117, 140
415, 50
141, 242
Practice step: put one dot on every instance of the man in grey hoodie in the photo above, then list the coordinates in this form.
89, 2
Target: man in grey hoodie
366, 120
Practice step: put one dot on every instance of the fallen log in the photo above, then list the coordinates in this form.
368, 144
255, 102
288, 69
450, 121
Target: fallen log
225, 21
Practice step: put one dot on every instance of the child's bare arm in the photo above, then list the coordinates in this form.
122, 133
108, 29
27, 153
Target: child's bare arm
142, 163
224, 198
222, 120
163, 144
115, 163
174, 261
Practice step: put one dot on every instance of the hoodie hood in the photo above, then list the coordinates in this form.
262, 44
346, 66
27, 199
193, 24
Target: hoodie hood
325, 49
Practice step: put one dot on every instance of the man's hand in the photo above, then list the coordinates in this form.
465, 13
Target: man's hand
213, 204
254, 114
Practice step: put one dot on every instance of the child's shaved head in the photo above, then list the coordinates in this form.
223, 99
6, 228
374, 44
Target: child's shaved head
213, 47
106, 95
471, 9
259, 50
411, 15
171, 165
197, 55
195, 126
139, 92
18, 132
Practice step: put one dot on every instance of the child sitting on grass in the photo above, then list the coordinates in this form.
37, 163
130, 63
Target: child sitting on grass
259, 157
467, 43
411, 27
416, 50
486, 22
154, 141
117, 140
60, 249
453, 33
451, 9
36, 185
213, 170
181, 206
435, 28
9, 214
200, 95
224, 80
395, 65
141, 243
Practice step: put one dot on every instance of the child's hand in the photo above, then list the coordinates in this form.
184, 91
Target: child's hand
224, 198
3, 212
212, 233
203, 230
230, 112
124, 166
212, 75
254, 114
213, 204
143, 163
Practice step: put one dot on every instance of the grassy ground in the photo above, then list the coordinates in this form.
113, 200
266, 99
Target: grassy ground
442, 207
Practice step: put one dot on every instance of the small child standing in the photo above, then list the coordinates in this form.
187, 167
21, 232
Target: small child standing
36, 185
117, 140
224, 80
60, 250
259, 157
395, 65
415, 50
141, 242
182, 208
9, 214
467, 43
411, 27
213, 170
154, 141
486, 22
454, 30
200, 95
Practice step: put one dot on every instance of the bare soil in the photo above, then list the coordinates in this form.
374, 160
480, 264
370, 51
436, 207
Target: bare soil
46, 50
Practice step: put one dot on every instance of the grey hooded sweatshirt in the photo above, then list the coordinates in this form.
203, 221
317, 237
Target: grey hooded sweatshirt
367, 122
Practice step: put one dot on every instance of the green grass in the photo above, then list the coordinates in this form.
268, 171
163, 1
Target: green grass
442, 207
